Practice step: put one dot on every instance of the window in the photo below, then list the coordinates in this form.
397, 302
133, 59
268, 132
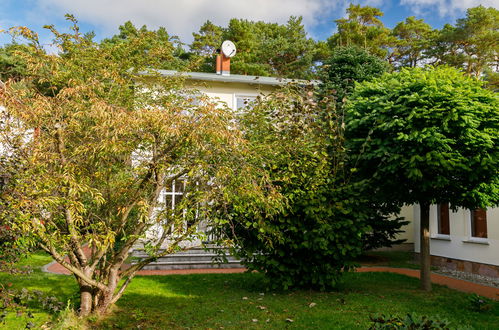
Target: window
443, 219
478, 219
242, 101
174, 195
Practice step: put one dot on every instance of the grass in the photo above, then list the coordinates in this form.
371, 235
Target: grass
232, 301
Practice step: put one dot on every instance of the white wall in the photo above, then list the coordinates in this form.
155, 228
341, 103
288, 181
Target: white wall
226, 92
408, 213
459, 244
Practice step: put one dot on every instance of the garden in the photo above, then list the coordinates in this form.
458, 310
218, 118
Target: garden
230, 301
300, 185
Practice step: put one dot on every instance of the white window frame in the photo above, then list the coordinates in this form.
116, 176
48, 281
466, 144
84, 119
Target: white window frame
470, 237
237, 95
172, 193
434, 224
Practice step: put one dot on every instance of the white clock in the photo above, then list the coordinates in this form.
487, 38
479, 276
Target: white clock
228, 48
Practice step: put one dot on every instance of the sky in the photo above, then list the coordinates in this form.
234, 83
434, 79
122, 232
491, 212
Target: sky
183, 17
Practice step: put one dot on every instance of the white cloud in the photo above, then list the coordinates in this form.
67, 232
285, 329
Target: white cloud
182, 17
447, 7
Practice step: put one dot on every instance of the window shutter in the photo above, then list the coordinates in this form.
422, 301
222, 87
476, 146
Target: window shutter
443, 219
479, 223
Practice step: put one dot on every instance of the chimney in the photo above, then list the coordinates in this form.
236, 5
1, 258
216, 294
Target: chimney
223, 64
226, 51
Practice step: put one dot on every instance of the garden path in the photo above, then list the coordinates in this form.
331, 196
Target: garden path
453, 283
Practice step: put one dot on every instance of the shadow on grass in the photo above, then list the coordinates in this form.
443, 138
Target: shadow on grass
241, 301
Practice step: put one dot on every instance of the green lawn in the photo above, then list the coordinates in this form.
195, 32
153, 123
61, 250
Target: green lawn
236, 300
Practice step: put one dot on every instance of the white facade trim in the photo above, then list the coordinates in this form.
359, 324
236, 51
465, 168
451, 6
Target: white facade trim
459, 244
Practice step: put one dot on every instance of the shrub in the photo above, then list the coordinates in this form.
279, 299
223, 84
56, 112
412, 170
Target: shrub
410, 321
479, 304
315, 237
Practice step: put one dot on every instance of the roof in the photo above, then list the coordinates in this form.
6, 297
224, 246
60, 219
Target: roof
235, 78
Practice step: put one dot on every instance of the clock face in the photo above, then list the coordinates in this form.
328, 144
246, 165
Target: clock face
228, 48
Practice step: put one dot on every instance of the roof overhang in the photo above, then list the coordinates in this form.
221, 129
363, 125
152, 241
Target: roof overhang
233, 78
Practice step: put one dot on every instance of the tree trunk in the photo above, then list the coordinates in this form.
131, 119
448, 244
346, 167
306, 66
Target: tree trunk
85, 300
425, 246
94, 301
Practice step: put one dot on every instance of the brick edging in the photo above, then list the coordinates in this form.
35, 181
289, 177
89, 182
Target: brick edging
451, 282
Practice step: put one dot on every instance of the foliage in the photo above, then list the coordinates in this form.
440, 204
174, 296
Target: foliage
98, 142
11, 65
426, 135
413, 42
364, 29
205, 45
479, 304
11, 249
383, 232
341, 71
19, 302
491, 79
410, 321
263, 49
157, 48
345, 67
471, 44
67, 319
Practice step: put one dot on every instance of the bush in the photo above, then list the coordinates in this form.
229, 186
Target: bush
11, 251
410, 321
315, 237
21, 301
479, 304
319, 236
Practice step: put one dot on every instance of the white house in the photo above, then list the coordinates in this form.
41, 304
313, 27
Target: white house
465, 240
236, 92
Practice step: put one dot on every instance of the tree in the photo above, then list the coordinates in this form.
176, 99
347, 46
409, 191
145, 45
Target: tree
363, 28
263, 49
413, 41
472, 44
426, 136
339, 74
345, 67
150, 40
11, 66
205, 45
97, 142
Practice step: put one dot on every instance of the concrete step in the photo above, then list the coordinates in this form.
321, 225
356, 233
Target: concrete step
187, 265
195, 258
141, 252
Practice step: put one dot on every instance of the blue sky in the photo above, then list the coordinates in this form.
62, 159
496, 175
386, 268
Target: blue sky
182, 17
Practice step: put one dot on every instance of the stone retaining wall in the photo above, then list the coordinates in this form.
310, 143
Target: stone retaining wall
464, 266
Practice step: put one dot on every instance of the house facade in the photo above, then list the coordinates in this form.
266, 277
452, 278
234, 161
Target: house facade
235, 92
462, 240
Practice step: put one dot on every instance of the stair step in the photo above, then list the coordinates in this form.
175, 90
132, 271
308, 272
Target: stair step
194, 258
197, 266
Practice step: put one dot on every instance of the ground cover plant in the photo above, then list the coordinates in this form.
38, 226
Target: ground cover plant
233, 301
